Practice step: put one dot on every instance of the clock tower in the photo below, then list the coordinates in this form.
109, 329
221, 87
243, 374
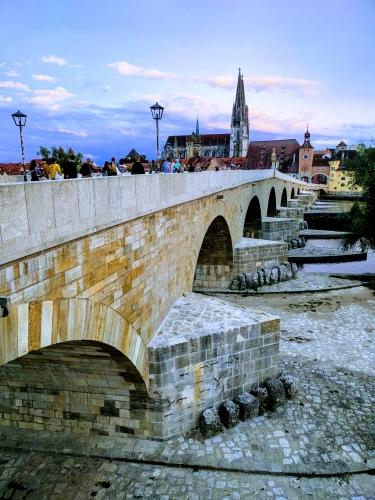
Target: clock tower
306, 155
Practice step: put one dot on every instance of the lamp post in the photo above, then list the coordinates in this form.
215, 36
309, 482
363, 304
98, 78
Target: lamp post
157, 114
20, 121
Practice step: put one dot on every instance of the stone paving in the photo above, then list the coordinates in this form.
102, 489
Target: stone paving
327, 429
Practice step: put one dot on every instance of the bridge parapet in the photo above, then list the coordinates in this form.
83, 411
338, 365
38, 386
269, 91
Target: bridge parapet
37, 216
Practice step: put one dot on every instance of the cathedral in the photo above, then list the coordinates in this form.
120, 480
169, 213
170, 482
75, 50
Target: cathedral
234, 144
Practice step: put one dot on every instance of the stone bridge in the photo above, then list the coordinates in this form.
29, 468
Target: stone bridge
100, 331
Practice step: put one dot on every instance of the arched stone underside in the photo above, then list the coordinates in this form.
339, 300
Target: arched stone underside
253, 220
34, 325
215, 260
272, 209
292, 194
284, 198
76, 386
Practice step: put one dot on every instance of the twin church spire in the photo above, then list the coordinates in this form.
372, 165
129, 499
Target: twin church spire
239, 127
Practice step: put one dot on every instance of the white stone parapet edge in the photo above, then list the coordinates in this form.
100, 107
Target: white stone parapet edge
35, 216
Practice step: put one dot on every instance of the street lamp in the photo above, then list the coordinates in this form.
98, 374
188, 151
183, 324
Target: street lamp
20, 121
157, 114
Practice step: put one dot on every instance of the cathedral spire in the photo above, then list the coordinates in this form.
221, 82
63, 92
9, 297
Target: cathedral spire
239, 140
197, 127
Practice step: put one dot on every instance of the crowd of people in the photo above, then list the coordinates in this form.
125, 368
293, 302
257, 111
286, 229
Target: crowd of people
51, 169
71, 168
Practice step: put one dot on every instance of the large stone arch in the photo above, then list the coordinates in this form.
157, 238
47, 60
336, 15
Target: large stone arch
75, 386
214, 264
284, 198
35, 325
252, 227
272, 207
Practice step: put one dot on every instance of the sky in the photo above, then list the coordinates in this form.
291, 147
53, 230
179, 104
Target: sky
87, 71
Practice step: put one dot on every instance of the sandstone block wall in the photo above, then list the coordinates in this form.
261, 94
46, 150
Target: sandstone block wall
252, 254
199, 369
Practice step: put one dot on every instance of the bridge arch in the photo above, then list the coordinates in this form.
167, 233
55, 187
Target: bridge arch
35, 325
253, 219
292, 194
215, 257
284, 198
272, 209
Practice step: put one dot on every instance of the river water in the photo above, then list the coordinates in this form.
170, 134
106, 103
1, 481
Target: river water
355, 267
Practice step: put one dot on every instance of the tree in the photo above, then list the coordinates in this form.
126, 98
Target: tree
362, 166
59, 153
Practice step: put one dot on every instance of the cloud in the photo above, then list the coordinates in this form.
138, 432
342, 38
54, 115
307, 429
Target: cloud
15, 86
76, 133
44, 78
5, 99
106, 88
126, 69
51, 59
255, 83
11, 74
50, 99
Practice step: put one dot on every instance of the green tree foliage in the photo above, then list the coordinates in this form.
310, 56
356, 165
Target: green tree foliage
59, 153
362, 167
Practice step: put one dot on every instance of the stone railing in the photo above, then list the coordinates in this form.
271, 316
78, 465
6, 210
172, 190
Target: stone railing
36, 216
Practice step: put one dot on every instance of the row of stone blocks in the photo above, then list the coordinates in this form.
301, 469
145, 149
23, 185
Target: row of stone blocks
246, 405
252, 281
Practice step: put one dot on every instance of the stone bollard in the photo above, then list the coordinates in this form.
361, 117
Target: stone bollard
289, 386
209, 423
229, 413
294, 270
262, 395
276, 392
235, 284
248, 404
242, 280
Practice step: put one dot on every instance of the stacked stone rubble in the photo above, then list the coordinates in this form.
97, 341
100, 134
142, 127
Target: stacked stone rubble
284, 271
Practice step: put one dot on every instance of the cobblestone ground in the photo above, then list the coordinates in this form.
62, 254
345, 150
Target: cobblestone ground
329, 430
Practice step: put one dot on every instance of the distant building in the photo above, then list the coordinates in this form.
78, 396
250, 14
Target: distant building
259, 155
200, 145
197, 145
340, 179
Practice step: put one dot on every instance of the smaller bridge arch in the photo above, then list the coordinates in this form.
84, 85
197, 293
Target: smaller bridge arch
272, 208
284, 198
253, 219
292, 194
215, 258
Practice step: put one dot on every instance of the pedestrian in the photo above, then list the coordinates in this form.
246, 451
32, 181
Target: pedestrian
191, 168
54, 169
113, 170
198, 168
166, 166
105, 171
70, 167
85, 170
33, 171
45, 168
177, 166
137, 167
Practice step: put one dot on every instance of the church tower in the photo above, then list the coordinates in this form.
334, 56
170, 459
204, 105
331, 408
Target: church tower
239, 127
306, 156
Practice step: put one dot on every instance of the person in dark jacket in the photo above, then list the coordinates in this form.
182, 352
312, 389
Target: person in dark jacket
33, 171
70, 168
86, 169
137, 167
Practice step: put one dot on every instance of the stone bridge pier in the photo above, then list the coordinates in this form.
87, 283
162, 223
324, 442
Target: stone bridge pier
100, 332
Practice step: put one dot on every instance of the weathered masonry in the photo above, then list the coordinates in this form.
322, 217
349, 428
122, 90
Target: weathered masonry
99, 330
